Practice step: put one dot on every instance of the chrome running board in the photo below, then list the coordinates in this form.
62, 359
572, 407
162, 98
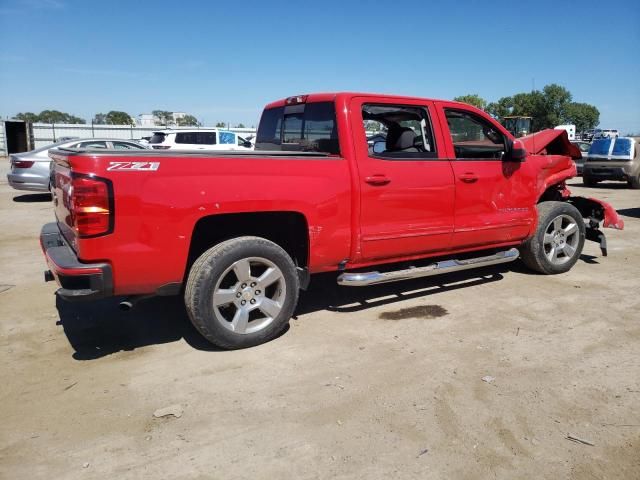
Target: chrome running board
446, 266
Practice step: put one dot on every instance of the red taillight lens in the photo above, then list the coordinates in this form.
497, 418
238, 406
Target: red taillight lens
90, 206
23, 164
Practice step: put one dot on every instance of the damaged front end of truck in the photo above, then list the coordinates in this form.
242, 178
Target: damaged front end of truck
554, 155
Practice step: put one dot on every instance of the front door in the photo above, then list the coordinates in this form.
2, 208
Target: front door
406, 187
493, 197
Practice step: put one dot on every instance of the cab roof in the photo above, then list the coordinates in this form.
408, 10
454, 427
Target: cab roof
330, 97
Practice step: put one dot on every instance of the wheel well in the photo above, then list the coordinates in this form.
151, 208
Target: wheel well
553, 194
287, 229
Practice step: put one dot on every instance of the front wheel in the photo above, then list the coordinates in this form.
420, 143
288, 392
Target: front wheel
558, 241
242, 292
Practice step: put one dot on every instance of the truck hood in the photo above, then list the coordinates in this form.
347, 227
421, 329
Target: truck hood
550, 142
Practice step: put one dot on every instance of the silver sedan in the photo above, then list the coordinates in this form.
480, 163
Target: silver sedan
30, 170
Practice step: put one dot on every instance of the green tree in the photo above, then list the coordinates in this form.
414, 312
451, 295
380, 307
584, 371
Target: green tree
100, 119
55, 116
548, 108
240, 125
501, 108
29, 117
188, 121
472, 99
582, 115
164, 117
115, 117
74, 119
556, 99
221, 125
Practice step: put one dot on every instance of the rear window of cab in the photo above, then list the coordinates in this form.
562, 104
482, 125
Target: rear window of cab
306, 127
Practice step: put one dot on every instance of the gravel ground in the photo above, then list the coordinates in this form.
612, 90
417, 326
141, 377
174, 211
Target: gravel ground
383, 382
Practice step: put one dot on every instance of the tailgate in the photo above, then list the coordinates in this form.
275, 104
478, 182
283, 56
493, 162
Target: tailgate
61, 192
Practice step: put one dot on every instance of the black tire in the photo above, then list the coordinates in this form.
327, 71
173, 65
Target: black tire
537, 252
215, 266
634, 182
588, 180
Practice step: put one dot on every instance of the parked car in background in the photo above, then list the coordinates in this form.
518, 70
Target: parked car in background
613, 159
584, 150
30, 170
198, 139
606, 133
589, 135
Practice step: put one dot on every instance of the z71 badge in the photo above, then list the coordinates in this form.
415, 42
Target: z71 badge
136, 166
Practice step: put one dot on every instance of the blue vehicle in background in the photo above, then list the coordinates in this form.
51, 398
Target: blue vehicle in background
613, 159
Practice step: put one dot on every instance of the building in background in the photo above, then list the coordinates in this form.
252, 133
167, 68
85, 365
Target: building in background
146, 120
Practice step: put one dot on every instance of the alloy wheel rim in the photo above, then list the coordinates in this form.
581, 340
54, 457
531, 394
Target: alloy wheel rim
561, 238
249, 295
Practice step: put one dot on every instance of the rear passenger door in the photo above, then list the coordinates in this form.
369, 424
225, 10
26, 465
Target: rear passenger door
404, 178
494, 201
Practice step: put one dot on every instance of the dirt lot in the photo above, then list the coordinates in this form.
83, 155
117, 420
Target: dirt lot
367, 383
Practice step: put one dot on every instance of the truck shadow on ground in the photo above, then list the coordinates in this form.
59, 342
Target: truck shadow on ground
630, 212
32, 198
97, 329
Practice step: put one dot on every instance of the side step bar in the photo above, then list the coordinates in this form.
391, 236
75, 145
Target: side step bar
446, 266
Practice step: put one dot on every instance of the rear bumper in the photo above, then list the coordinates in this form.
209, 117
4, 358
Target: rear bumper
31, 183
78, 281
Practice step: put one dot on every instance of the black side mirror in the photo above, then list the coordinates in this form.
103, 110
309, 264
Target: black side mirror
515, 152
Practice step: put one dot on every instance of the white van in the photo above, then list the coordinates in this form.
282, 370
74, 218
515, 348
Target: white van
571, 130
198, 139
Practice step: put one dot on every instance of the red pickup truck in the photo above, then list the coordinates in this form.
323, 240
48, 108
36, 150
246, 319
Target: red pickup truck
375, 187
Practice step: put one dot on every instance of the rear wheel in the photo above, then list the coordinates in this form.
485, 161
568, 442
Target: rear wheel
558, 241
242, 292
634, 182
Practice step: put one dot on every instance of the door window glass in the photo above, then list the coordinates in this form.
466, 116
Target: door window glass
196, 138
398, 131
474, 137
125, 146
227, 138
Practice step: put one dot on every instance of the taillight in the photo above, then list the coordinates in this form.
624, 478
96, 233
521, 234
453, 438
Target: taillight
91, 206
23, 163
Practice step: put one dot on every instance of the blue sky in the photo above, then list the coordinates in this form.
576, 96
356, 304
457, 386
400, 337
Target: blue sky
222, 61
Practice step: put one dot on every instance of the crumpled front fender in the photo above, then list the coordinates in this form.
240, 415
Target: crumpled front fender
598, 210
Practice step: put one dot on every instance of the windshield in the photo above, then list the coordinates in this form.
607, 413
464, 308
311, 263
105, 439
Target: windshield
305, 128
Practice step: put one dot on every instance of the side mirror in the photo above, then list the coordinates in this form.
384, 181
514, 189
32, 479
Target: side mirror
516, 152
379, 147
247, 144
